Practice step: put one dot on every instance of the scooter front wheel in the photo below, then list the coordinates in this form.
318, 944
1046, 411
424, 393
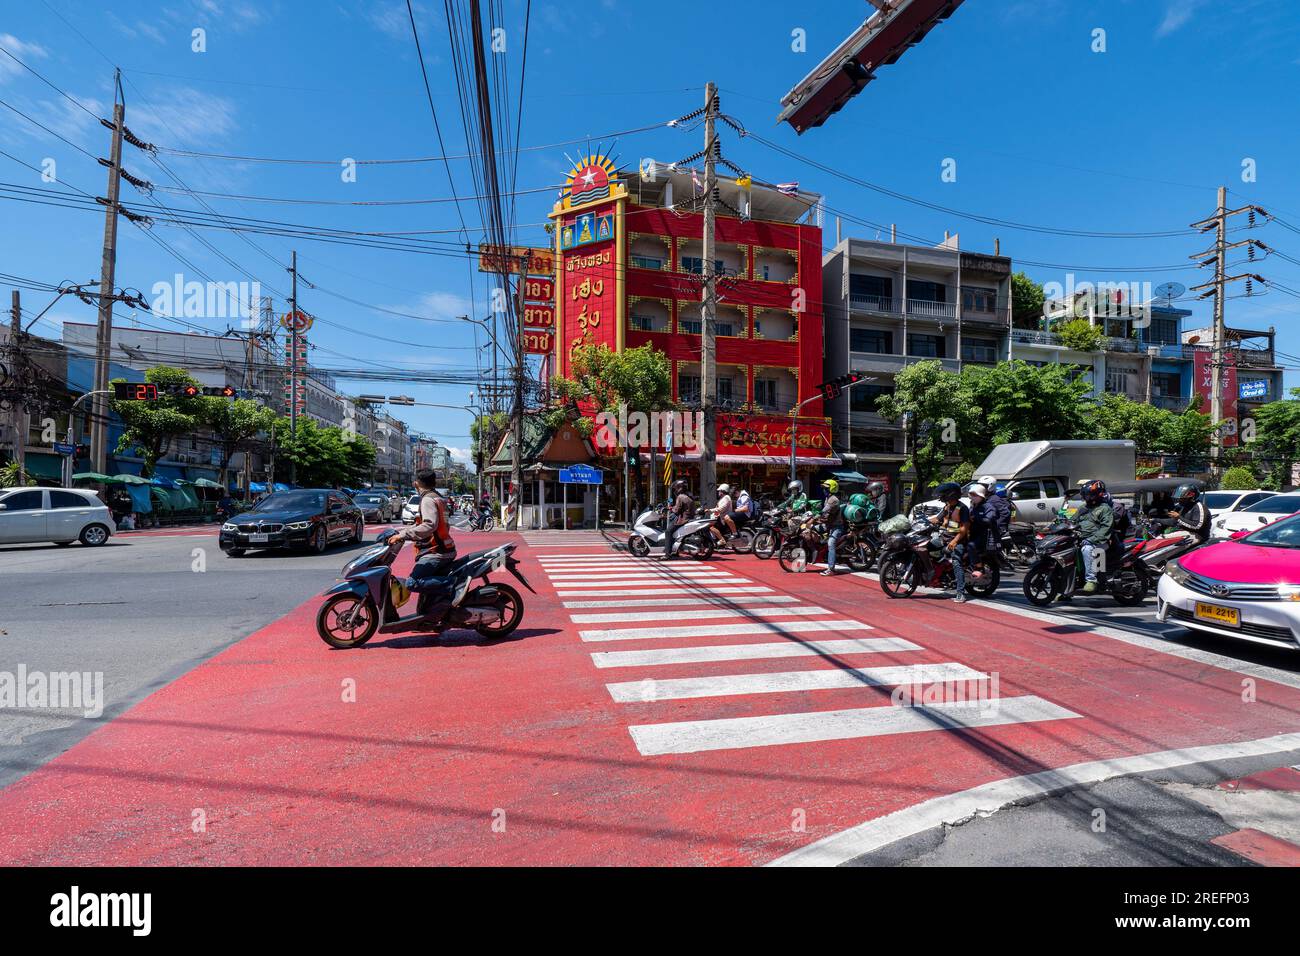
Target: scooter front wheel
765, 543
638, 546
1042, 584
346, 620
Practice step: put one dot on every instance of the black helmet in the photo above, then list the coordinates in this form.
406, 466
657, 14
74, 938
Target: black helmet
794, 487
948, 491
876, 489
1094, 491
679, 487
1187, 493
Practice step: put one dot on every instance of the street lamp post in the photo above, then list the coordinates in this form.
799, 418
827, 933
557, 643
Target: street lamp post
71, 438
794, 420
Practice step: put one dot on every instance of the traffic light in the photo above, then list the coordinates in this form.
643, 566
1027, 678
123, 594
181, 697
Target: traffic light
149, 392
633, 458
835, 387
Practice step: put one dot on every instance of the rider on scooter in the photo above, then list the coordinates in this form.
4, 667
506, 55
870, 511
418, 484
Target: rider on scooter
678, 513
954, 524
435, 550
724, 527
1095, 525
985, 538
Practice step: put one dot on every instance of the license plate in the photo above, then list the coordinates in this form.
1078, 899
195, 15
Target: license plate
258, 538
1219, 615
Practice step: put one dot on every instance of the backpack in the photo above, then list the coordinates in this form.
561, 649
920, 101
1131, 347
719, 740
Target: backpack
1121, 520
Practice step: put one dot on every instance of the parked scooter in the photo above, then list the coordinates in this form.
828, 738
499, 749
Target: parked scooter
692, 539
369, 599
917, 558
1057, 572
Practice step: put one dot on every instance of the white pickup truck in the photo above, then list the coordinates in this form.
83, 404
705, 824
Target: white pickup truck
1036, 476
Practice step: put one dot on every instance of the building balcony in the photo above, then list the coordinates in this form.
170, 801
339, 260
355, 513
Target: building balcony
925, 309
1172, 403
877, 304
1031, 337
876, 361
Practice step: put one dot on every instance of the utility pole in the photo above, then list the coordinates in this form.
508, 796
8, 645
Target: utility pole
708, 338
293, 364
19, 409
108, 275
1217, 257
516, 456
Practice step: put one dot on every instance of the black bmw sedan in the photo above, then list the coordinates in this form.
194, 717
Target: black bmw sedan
303, 518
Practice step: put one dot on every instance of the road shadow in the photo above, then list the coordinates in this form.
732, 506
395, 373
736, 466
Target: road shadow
454, 638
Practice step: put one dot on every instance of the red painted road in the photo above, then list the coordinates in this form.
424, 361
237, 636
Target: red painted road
447, 741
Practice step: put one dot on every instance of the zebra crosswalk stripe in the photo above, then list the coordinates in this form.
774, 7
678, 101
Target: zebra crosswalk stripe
717, 630
835, 678
751, 652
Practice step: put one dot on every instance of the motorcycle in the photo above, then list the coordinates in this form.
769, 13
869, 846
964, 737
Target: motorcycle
692, 539
369, 599
480, 521
811, 541
1018, 545
1057, 572
917, 558
775, 528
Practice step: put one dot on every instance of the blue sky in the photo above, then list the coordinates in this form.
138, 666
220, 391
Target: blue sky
1043, 131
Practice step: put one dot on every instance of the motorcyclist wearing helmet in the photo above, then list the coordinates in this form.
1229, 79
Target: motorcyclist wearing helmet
955, 524
679, 512
1192, 514
745, 509
876, 502
795, 500
1095, 524
830, 516
996, 503
985, 539
724, 526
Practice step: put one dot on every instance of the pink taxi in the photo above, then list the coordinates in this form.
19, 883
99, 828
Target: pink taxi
1247, 588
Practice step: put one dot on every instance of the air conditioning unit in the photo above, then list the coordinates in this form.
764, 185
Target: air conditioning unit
1153, 351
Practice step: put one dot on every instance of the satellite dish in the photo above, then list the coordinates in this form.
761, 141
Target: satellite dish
1170, 291
1193, 339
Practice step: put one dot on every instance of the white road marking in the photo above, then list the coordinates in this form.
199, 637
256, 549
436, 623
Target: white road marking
750, 652
568, 584
717, 630
832, 678
693, 736
645, 575
702, 614
650, 590
705, 597
954, 808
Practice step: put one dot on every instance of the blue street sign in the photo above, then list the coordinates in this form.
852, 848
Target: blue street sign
62, 449
1253, 388
581, 475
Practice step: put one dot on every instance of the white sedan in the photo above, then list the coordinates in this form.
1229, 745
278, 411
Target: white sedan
411, 510
60, 515
1262, 512
1222, 502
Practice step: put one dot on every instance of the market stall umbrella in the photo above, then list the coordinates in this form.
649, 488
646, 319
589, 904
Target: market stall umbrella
131, 479
97, 477
207, 483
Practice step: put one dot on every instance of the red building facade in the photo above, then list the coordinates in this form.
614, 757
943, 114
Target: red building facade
629, 273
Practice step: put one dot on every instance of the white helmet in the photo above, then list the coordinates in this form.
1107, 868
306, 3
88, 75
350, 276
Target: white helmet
978, 489
724, 489
988, 481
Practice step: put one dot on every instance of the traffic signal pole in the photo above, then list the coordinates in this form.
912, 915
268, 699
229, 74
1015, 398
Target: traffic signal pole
825, 392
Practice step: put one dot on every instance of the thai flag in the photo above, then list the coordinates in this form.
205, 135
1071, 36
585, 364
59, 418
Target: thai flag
696, 179
788, 189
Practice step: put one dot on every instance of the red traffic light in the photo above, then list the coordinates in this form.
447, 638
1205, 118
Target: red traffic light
190, 391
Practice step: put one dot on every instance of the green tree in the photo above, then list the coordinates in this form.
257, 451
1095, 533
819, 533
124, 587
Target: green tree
1239, 478
9, 476
963, 473
320, 456
1026, 302
235, 424
1081, 335
1120, 417
1016, 401
151, 426
927, 401
1277, 437
1187, 435
604, 379
484, 432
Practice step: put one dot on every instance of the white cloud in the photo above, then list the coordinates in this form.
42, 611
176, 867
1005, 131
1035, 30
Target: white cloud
1177, 14
181, 116
463, 455
24, 51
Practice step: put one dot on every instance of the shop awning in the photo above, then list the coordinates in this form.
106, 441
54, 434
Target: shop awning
852, 477
40, 465
774, 461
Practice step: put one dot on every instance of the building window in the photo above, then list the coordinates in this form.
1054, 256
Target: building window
647, 262
696, 264
688, 389
1163, 331
642, 323
978, 299
862, 398
723, 328
765, 392
926, 291
1117, 379
926, 346
979, 350
877, 341
880, 287
1166, 384
690, 326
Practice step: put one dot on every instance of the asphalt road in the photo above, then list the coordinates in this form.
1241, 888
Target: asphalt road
142, 609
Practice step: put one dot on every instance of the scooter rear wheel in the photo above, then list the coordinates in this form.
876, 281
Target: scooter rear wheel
765, 543
512, 612
346, 620
698, 545
1130, 588
793, 558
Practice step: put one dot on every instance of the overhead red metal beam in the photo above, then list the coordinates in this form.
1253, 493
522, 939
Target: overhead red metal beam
881, 40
